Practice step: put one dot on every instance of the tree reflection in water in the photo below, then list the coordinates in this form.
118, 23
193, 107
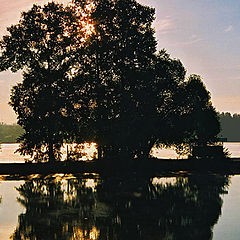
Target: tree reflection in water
120, 208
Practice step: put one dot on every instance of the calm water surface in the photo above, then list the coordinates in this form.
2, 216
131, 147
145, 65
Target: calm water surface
94, 207
7, 152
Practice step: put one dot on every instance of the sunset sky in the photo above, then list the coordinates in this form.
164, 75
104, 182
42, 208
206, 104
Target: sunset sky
204, 34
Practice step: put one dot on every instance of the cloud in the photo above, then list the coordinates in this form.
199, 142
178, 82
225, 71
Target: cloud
228, 29
165, 25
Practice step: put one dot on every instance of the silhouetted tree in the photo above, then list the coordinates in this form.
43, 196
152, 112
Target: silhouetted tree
119, 54
40, 45
91, 73
192, 118
203, 120
138, 97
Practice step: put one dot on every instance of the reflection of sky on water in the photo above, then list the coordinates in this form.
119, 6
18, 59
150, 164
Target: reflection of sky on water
164, 181
7, 152
164, 153
233, 147
9, 208
227, 227
111, 205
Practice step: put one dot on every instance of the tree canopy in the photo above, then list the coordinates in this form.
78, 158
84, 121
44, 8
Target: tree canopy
91, 73
40, 46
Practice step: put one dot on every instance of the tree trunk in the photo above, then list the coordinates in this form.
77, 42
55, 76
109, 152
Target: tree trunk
51, 152
51, 155
145, 151
100, 152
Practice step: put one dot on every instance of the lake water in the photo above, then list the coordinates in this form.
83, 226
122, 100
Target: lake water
8, 155
95, 207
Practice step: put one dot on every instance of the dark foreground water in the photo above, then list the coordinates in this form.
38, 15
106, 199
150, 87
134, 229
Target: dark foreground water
92, 207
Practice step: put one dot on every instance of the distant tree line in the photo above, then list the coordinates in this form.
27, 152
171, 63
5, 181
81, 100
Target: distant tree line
230, 126
10, 133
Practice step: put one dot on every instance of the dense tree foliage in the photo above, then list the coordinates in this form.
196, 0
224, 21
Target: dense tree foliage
139, 97
40, 46
91, 73
121, 52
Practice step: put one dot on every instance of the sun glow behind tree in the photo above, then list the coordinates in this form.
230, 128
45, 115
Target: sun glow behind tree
84, 151
84, 26
92, 74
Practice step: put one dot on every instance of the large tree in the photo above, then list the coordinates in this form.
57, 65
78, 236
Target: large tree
184, 114
40, 45
119, 54
91, 73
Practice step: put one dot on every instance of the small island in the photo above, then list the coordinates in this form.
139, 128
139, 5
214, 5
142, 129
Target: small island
99, 100
92, 73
